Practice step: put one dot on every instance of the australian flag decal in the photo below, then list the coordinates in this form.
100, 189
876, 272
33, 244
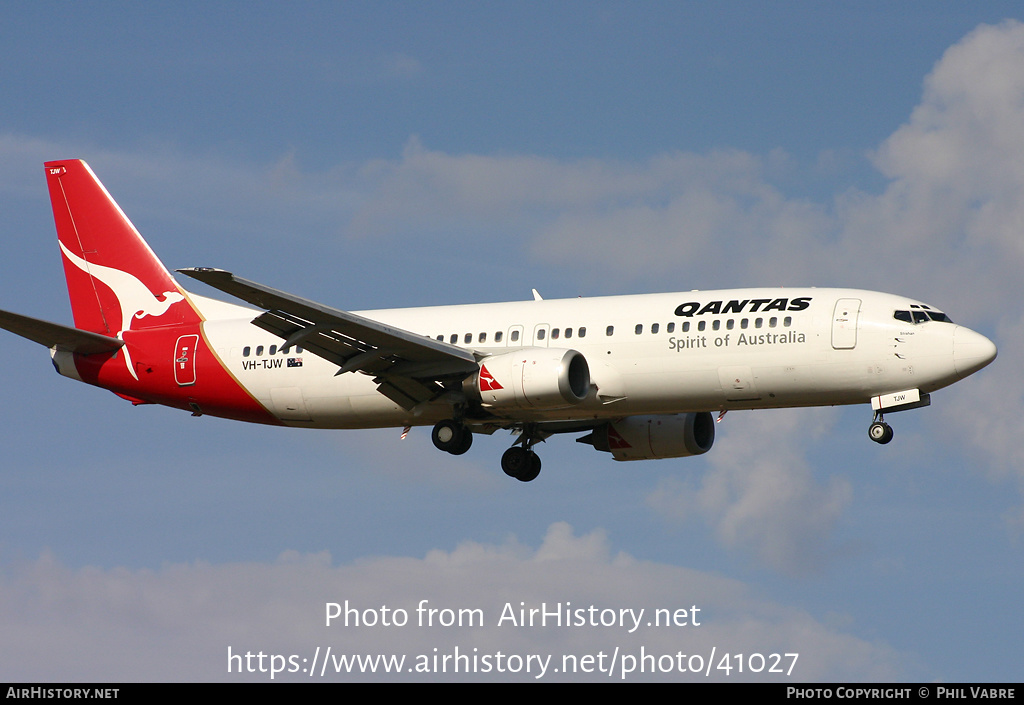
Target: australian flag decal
294, 362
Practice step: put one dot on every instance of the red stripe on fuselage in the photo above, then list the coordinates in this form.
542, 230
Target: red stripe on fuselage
152, 352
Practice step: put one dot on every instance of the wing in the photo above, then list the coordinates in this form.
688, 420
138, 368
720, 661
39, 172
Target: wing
408, 368
54, 335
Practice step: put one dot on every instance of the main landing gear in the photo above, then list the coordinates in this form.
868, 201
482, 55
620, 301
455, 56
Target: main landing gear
451, 437
879, 431
519, 461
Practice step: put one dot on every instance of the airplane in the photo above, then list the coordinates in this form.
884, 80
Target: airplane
642, 376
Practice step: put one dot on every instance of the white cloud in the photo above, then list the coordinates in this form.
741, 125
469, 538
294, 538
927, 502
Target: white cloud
956, 205
954, 209
677, 213
178, 622
761, 495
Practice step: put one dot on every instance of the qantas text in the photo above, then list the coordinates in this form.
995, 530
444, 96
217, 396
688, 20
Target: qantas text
694, 308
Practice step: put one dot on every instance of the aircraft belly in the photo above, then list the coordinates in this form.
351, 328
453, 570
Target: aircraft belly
680, 390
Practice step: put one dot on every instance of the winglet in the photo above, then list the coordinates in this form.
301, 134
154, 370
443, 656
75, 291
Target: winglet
207, 274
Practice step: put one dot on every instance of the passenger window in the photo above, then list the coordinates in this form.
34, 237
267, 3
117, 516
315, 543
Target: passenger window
440, 338
716, 324
744, 323
654, 327
758, 322
482, 338
730, 324
515, 336
273, 350
639, 328
259, 350
246, 350
701, 325
497, 336
671, 327
772, 322
541, 334
454, 339
568, 332
554, 334
686, 326
609, 330
582, 333
468, 337
787, 321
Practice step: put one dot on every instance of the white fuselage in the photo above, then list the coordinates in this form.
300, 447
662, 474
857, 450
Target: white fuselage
647, 354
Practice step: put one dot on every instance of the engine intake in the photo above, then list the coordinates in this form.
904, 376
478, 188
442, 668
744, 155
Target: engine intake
533, 378
653, 437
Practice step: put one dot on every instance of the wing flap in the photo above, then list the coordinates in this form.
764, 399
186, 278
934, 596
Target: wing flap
407, 392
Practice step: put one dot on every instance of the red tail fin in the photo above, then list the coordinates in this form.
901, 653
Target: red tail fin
115, 281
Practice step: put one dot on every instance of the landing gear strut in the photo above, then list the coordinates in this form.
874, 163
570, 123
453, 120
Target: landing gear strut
451, 437
879, 431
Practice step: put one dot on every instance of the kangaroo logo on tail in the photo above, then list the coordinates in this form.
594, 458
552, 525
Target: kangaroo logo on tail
135, 300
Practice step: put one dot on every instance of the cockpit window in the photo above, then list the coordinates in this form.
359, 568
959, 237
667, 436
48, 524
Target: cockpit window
919, 315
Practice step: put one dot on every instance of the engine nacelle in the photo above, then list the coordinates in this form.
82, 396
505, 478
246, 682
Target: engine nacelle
533, 378
653, 437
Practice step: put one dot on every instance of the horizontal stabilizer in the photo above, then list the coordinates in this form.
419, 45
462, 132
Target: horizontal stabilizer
54, 335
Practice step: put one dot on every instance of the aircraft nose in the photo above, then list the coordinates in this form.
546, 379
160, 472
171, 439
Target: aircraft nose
971, 351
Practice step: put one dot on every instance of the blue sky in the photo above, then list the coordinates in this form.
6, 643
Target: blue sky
370, 155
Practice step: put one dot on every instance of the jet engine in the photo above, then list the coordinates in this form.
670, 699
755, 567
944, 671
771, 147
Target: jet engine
653, 437
532, 378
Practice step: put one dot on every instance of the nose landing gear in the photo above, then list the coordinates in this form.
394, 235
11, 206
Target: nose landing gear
879, 431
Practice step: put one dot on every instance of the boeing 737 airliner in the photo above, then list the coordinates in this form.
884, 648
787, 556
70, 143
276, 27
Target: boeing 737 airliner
640, 376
